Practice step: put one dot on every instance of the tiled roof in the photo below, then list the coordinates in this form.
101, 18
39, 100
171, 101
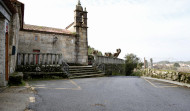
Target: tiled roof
45, 29
69, 25
10, 6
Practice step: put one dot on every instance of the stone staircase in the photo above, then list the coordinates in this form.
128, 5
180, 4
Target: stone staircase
84, 72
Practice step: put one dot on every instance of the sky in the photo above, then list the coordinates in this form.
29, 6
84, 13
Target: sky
158, 29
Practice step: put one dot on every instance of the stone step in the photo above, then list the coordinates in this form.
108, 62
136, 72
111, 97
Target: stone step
81, 68
84, 71
87, 76
75, 71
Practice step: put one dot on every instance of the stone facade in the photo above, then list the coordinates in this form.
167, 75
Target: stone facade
79, 26
10, 22
2, 52
44, 42
71, 42
13, 41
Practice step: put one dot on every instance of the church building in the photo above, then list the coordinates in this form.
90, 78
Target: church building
19, 38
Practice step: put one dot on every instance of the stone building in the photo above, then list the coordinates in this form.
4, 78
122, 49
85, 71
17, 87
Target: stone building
70, 42
11, 20
17, 37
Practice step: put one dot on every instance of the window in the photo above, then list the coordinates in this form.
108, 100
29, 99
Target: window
36, 38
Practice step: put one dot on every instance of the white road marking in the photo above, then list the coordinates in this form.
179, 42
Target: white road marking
159, 83
150, 83
32, 99
70, 81
74, 83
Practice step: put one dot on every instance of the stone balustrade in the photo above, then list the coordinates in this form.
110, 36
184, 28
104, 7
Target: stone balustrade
108, 60
39, 58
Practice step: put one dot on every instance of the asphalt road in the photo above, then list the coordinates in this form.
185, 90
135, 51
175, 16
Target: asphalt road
109, 94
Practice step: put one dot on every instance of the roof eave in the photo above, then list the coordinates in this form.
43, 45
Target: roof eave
46, 32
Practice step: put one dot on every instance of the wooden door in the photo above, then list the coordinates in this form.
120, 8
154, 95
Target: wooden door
37, 56
7, 56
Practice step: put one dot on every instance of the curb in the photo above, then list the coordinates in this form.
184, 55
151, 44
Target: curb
168, 81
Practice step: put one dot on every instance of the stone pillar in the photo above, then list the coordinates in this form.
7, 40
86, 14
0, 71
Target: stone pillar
39, 58
19, 59
43, 59
60, 60
151, 63
52, 59
24, 59
34, 59
29, 59
47, 56
56, 59
145, 63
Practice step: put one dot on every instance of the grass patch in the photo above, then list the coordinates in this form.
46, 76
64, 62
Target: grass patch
117, 74
136, 73
22, 83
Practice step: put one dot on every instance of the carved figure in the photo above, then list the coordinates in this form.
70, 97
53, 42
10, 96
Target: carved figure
118, 51
95, 52
108, 54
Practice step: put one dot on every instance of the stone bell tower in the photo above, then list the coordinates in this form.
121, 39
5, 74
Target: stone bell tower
80, 27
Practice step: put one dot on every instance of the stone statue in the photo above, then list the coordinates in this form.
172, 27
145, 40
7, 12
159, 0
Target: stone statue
118, 51
95, 52
108, 54
115, 55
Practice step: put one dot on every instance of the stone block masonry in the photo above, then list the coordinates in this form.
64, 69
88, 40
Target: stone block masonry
2, 52
64, 45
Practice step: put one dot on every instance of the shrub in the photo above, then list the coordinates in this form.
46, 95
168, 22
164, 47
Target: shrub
131, 62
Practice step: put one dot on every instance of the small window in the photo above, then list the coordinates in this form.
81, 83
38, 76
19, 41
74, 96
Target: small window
36, 38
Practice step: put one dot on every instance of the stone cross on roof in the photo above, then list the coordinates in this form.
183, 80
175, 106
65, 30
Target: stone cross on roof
79, 2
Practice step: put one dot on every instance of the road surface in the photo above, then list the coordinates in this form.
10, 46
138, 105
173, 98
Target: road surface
119, 93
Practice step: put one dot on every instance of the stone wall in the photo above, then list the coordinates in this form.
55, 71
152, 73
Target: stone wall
13, 41
107, 60
65, 44
2, 52
12, 19
114, 69
168, 75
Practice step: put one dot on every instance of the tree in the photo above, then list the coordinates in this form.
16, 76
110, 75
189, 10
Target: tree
176, 65
131, 62
91, 49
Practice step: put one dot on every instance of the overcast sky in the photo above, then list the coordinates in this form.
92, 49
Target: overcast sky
158, 29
